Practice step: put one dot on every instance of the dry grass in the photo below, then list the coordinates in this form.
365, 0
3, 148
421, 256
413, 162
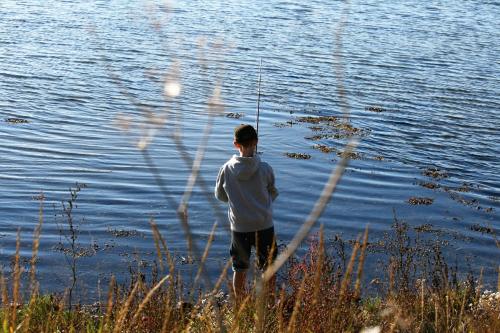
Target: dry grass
317, 292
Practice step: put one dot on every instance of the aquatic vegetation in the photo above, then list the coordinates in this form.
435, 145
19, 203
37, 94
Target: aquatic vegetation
429, 185
428, 228
234, 115
122, 232
16, 120
374, 108
482, 228
331, 127
325, 149
328, 120
350, 155
420, 201
288, 123
453, 192
435, 173
298, 156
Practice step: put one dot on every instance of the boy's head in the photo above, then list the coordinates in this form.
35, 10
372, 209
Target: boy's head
245, 135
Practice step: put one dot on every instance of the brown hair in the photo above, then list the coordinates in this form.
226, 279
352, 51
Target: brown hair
245, 134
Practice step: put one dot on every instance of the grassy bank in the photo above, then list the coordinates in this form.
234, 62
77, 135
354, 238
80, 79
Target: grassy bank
322, 291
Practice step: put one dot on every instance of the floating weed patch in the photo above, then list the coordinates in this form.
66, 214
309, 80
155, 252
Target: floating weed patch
435, 173
235, 115
377, 109
453, 192
78, 251
38, 197
465, 187
420, 201
324, 149
339, 135
460, 199
482, 229
288, 123
379, 158
318, 137
319, 120
298, 156
121, 233
429, 185
16, 120
427, 228
350, 155
333, 128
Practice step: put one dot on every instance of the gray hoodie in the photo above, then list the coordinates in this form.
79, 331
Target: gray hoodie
247, 184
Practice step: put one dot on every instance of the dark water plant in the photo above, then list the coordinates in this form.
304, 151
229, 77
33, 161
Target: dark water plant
69, 230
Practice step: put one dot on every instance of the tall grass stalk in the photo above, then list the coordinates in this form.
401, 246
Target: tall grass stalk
296, 307
147, 299
121, 317
16, 280
361, 264
346, 281
204, 257
319, 266
105, 321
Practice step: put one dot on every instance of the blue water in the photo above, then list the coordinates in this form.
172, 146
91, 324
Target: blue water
89, 77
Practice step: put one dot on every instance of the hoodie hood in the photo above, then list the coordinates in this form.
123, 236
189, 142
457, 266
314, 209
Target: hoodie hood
244, 167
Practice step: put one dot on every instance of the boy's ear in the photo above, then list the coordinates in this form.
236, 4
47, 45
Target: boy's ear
236, 144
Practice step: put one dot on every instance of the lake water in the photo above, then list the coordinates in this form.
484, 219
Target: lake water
88, 79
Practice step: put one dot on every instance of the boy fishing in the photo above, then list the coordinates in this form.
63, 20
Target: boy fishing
247, 184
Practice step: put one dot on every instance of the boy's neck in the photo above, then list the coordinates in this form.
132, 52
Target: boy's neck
247, 152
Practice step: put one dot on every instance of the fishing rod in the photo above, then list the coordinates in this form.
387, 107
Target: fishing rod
258, 100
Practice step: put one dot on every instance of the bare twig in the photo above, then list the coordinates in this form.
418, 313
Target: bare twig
258, 100
339, 68
335, 175
214, 107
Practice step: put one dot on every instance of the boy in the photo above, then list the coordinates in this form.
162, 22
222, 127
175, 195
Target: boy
247, 184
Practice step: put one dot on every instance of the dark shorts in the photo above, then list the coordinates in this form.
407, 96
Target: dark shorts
241, 246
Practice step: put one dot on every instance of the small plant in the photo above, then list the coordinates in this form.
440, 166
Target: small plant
70, 230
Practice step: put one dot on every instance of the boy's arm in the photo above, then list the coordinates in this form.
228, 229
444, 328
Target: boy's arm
273, 191
219, 191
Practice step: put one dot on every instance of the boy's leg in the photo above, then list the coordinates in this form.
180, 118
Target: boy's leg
239, 279
267, 251
240, 255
